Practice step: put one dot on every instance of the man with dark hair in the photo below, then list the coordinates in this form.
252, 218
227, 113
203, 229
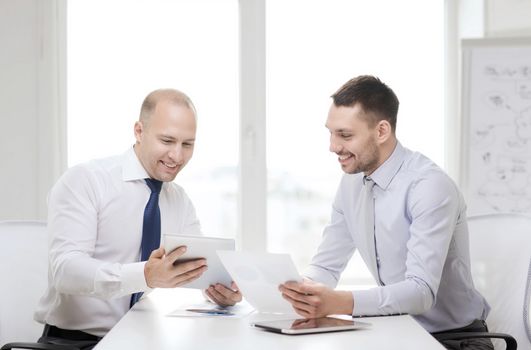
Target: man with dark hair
406, 217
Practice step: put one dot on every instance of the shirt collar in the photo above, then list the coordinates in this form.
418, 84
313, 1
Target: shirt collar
132, 169
387, 171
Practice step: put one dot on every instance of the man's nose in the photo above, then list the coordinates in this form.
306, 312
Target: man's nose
334, 146
176, 154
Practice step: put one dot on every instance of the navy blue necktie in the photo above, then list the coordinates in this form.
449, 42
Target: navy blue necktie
150, 227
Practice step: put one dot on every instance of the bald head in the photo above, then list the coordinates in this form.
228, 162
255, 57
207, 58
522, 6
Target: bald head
165, 133
168, 95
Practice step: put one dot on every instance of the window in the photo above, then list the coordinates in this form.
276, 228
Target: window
313, 47
119, 51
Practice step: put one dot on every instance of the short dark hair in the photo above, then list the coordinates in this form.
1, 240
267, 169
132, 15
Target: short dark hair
373, 95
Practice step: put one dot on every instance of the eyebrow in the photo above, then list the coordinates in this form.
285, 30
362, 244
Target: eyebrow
339, 130
174, 139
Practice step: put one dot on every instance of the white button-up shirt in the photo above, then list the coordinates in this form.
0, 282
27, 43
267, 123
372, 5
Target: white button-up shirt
95, 216
421, 237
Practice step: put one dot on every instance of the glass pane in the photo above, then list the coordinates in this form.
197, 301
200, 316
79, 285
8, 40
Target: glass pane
119, 51
313, 47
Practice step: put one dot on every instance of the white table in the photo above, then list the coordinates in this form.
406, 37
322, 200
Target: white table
147, 326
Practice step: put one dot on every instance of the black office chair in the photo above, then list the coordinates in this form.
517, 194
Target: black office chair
24, 271
500, 256
37, 346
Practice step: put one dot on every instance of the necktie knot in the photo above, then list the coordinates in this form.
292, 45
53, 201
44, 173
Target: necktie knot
154, 185
369, 182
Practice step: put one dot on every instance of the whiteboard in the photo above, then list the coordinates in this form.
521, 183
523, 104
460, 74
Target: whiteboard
496, 129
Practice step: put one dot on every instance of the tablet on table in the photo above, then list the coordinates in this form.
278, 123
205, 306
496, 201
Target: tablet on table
306, 326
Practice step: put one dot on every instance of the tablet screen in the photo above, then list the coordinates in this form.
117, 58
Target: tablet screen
315, 325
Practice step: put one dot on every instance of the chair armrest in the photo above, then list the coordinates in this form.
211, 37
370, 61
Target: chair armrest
509, 340
37, 346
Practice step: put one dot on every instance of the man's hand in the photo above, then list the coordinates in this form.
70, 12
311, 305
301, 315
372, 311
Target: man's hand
163, 272
312, 300
224, 296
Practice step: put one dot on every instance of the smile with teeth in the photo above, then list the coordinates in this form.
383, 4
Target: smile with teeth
169, 165
344, 156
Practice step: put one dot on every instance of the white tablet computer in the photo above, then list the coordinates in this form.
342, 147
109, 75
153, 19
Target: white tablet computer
305, 326
202, 247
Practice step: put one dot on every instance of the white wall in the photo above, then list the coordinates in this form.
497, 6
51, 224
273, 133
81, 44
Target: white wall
32, 79
32, 133
508, 17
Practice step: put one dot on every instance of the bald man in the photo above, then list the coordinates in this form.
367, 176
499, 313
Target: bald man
97, 228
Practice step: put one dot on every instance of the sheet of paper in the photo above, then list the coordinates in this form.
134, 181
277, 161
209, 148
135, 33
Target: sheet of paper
258, 277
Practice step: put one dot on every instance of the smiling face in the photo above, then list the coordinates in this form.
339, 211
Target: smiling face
165, 140
357, 143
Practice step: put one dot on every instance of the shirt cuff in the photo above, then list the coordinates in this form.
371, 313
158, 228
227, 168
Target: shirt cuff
365, 302
133, 278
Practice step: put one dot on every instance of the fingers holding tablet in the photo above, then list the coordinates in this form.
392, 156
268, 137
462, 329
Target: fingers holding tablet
160, 270
224, 296
186, 270
189, 253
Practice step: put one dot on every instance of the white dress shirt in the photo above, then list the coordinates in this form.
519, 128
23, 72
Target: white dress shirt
421, 262
95, 216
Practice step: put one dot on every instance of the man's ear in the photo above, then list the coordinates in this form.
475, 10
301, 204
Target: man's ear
384, 131
139, 131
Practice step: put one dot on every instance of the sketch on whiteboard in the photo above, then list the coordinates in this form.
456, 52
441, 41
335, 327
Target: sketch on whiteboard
498, 174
